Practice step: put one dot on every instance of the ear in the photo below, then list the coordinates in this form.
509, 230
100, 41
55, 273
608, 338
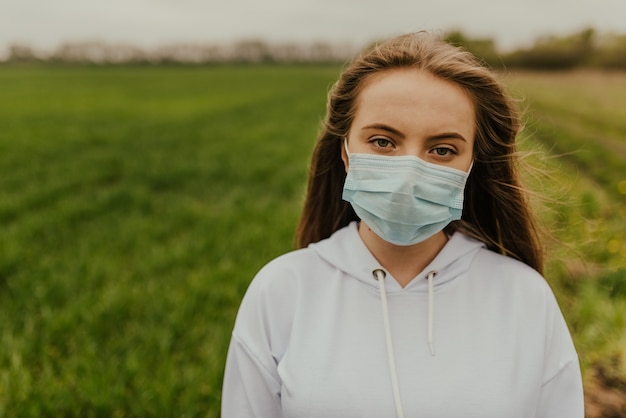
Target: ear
344, 154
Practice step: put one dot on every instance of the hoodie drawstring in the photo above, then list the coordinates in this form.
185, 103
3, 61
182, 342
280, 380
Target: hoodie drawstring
431, 312
380, 275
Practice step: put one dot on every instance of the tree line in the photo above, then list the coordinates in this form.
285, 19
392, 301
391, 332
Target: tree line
246, 51
584, 49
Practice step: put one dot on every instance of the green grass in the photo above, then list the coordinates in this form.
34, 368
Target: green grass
136, 204
580, 118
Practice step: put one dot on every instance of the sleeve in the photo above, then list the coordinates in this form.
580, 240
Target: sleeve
250, 389
252, 385
562, 396
561, 393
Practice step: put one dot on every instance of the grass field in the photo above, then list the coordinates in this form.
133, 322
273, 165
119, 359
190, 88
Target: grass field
136, 204
580, 120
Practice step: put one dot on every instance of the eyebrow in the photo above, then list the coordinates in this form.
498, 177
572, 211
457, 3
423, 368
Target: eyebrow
447, 135
443, 135
383, 127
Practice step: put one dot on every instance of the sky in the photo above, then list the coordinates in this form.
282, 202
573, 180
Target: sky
45, 24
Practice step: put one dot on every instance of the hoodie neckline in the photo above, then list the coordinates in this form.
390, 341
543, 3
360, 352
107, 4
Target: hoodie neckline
346, 251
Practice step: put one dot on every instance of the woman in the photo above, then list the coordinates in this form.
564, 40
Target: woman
417, 289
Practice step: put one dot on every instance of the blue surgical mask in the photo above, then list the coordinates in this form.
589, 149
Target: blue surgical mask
403, 199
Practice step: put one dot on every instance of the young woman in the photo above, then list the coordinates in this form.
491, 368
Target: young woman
417, 289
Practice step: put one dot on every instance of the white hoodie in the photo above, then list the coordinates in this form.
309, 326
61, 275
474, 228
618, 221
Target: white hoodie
310, 339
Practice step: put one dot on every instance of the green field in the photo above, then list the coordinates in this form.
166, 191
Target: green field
578, 121
136, 204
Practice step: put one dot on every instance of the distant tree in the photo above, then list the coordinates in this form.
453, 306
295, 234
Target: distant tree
611, 52
288, 52
483, 48
97, 52
187, 54
21, 53
321, 52
251, 51
556, 53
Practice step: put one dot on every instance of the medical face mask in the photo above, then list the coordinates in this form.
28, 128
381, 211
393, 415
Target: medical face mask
403, 199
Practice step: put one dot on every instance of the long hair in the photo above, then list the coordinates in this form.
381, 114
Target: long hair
496, 209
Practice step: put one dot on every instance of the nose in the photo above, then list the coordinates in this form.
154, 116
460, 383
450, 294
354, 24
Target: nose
412, 149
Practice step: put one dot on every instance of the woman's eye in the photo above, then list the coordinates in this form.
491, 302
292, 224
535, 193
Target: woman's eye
382, 142
443, 151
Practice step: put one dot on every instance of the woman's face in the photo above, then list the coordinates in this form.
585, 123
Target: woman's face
412, 112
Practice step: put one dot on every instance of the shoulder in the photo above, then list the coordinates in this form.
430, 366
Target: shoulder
506, 268
524, 299
265, 315
525, 294
341, 251
511, 276
285, 268
282, 279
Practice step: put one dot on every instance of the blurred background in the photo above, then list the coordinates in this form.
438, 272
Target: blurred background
153, 156
554, 34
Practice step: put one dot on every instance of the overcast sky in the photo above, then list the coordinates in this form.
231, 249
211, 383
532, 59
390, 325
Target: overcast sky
44, 24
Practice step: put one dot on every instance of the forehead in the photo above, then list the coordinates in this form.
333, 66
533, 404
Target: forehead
414, 96
423, 82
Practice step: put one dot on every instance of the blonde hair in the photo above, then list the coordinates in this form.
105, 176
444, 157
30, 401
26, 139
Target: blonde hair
496, 209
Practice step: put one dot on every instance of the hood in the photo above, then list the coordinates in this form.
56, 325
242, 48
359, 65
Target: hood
346, 251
